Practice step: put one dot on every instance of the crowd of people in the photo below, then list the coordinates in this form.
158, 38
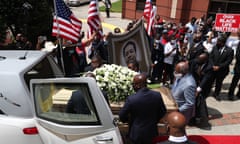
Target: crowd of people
190, 59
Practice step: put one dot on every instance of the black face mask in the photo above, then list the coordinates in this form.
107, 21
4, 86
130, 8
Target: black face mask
196, 40
200, 62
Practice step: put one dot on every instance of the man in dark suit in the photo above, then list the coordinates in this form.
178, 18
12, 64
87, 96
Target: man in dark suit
221, 57
202, 71
176, 124
197, 47
236, 76
142, 111
77, 104
108, 6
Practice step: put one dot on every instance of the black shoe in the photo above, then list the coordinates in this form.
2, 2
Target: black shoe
215, 95
166, 84
198, 120
238, 95
192, 122
154, 81
218, 98
205, 126
203, 123
230, 97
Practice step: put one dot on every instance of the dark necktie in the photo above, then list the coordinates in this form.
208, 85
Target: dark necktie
220, 51
199, 70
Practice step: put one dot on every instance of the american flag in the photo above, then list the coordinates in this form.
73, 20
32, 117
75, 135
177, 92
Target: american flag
147, 9
65, 24
151, 20
93, 20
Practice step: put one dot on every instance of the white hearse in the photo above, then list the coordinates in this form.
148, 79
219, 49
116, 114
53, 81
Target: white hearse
33, 100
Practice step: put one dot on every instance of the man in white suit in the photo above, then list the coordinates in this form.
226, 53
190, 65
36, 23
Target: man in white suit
184, 89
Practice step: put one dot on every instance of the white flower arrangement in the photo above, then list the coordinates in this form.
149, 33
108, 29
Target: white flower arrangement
115, 80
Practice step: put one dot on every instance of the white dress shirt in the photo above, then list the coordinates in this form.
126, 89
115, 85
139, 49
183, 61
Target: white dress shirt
168, 47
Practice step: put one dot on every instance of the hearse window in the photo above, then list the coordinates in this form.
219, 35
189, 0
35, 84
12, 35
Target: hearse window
68, 104
46, 68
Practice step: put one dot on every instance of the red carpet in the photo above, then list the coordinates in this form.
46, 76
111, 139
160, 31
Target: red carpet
208, 139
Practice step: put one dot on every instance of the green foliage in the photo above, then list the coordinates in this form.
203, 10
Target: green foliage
153, 86
32, 21
41, 19
9, 12
2, 30
116, 7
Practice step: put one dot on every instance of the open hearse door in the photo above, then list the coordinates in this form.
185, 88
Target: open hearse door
72, 110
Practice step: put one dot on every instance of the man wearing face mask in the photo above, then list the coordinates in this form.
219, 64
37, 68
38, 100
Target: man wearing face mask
170, 51
221, 57
197, 47
184, 89
142, 110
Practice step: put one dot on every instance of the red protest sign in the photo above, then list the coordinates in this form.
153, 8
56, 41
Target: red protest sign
227, 22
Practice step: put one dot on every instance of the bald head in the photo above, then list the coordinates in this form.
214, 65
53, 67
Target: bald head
182, 67
140, 78
176, 124
202, 58
176, 120
139, 81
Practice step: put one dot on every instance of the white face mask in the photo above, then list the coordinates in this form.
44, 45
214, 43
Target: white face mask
178, 75
157, 41
173, 42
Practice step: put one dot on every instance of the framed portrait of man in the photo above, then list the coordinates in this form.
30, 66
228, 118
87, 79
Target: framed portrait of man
129, 46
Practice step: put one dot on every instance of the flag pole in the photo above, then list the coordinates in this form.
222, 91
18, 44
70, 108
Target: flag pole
60, 59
